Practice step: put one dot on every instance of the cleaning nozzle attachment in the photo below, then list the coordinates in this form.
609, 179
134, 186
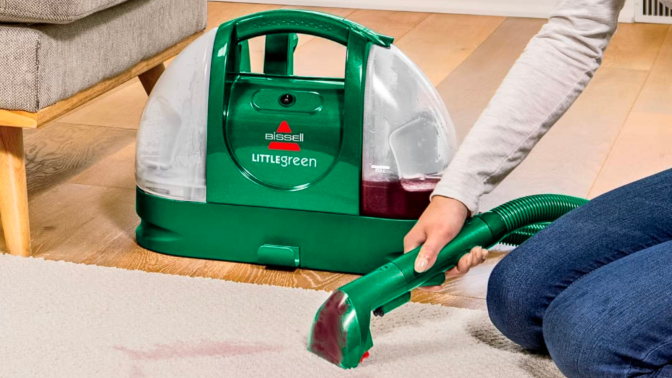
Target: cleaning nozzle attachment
336, 332
341, 331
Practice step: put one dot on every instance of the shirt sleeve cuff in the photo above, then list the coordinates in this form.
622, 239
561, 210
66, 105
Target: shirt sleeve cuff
464, 188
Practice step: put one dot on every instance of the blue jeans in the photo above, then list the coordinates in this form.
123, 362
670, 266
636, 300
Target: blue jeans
595, 288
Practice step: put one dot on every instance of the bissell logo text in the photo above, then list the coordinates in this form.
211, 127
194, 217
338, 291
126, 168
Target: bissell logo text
284, 140
285, 137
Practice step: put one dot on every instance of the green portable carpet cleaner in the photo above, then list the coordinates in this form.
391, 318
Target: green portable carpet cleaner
277, 169
283, 170
290, 171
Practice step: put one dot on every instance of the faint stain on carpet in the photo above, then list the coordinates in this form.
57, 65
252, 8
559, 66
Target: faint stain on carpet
538, 365
192, 350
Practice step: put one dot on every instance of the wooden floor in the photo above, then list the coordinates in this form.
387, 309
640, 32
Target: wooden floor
80, 168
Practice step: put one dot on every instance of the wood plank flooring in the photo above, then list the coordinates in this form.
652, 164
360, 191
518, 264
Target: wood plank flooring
80, 168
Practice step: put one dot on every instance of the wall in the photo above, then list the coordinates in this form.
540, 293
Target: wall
515, 8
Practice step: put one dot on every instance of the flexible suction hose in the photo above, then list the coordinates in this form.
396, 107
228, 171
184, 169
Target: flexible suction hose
513, 222
524, 217
521, 235
341, 334
535, 209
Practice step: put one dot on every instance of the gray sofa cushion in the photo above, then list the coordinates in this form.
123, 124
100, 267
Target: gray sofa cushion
51, 11
43, 64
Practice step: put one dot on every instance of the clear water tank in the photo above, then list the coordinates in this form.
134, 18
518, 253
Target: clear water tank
409, 138
172, 138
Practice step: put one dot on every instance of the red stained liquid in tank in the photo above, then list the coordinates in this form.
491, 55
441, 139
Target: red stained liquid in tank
404, 199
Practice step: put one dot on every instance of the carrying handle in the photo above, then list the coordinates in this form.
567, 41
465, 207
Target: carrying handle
306, 22
228, 57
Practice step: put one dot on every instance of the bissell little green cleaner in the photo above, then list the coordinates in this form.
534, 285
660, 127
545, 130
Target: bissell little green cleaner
276, 169
282, 170
322, 173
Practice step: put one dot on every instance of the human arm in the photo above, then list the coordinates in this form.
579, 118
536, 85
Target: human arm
553, 70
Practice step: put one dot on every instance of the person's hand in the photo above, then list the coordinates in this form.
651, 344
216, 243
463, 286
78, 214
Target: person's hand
439, 224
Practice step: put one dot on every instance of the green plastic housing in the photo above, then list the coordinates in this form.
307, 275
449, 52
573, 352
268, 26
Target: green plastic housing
325, 241
301, 211
319, 167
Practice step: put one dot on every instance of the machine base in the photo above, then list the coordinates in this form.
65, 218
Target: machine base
322, 241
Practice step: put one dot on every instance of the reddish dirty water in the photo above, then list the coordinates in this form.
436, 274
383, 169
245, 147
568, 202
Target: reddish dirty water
190, 350
405, 199
328, 338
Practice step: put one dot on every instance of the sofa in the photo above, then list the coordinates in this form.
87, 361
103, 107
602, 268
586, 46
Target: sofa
57, 55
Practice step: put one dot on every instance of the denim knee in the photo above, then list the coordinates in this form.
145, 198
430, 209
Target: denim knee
614, 322
572, 339
511, 303
582, 344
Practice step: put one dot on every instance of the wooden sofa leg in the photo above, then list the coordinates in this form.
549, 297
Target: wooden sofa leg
14, 191
149, 78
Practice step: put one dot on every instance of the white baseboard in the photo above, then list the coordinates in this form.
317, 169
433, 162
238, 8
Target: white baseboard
509, 8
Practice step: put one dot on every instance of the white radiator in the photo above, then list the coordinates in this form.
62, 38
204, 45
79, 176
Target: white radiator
652, 11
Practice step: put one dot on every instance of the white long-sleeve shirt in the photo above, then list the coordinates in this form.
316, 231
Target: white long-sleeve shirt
554, 69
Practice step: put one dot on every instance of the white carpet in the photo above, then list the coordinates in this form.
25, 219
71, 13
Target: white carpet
66, 320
